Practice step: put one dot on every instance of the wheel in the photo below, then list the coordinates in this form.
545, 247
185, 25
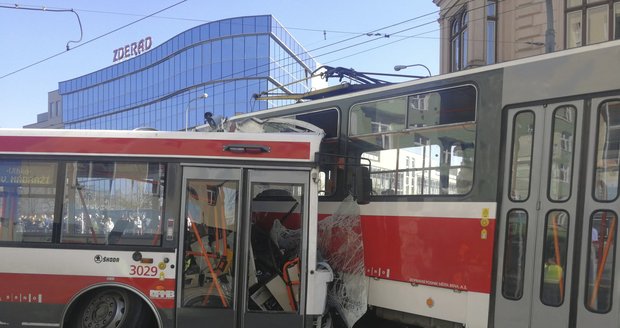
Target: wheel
110, 308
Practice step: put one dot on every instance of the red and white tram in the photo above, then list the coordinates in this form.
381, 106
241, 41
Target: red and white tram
495, 191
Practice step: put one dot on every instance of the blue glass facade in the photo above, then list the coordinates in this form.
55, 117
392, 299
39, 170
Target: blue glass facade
230, 60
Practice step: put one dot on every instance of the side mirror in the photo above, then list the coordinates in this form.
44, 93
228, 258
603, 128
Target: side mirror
362, 184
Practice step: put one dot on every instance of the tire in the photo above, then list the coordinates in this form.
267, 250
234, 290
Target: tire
109, 308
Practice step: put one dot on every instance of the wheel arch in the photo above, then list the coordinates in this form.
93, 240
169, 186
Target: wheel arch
74, 301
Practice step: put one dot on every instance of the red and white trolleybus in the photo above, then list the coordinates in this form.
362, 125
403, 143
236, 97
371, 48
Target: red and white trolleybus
494, 191
158, 229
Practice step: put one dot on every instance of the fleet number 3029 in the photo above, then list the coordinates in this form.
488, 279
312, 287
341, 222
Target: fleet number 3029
143, 270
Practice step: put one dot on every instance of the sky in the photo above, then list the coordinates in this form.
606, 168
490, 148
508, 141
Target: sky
33, 58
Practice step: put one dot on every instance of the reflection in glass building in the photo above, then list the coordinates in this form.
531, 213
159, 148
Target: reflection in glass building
229, 60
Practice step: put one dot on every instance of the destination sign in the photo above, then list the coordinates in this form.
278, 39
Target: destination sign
26, 173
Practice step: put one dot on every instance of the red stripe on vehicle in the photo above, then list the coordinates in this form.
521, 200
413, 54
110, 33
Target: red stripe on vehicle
442, 252
59, 289
150, 147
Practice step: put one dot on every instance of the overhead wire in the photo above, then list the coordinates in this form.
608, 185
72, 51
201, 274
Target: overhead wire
210, 21
413, 36
307, 51
375, 39
92, 40
419, 35
222, 79
395, 34
46, 9
153, 15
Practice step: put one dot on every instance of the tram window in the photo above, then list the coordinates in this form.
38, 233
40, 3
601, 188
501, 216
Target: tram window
601, 261
378, 116
27, 196
113, 203
328, 120
429, 161
555, 247
561, 169
331, 168
421, 144
521, 165
514, 255
607, 152
448, 106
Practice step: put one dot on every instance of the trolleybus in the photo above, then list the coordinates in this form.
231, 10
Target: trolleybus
149, 229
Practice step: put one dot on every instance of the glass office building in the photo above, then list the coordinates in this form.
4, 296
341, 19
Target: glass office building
230, 60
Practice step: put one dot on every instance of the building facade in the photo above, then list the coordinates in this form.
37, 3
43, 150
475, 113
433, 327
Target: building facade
482, 32
216, 67
52, 119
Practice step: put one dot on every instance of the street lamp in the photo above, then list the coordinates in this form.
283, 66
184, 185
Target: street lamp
399, 67
202, 96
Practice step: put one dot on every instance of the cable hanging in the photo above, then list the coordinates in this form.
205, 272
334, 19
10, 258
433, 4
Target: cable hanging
46, 9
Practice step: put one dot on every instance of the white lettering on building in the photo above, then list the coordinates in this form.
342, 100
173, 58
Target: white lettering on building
133, 49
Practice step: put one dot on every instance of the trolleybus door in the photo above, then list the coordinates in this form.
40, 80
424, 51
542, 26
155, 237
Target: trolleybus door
538, 216
243, 248
208, 265
277, 249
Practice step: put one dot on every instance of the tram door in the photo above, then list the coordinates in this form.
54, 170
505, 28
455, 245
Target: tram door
243, 248
538, 216
598, 304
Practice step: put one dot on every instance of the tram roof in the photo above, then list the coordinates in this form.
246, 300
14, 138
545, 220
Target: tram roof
438, 78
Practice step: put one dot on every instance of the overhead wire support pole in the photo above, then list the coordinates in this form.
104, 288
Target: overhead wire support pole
550, 33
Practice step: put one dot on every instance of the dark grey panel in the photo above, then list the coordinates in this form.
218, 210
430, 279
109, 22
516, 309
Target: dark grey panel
272, 320
187, 317
568, 73
17, 313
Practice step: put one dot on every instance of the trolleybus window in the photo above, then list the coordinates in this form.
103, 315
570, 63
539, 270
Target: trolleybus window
607, 152
210, 243
601, 261
27, 193
431, 154
562, 154
521, 166
275, 258
113, 203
